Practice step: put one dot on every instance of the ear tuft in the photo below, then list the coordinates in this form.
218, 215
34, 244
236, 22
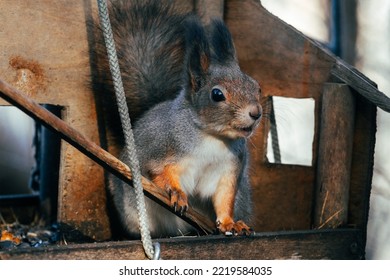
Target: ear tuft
198, 52
222, 46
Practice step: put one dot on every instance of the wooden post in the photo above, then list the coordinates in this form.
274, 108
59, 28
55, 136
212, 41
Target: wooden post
334, 156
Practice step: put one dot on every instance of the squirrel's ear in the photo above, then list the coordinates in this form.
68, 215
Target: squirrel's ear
222, 46
198, 56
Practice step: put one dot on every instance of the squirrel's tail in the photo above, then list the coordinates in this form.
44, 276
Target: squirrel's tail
150, 42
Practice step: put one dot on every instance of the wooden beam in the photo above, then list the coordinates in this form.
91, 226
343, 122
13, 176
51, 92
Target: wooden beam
96, 153
334, 156
363, 163
312, 244
361, 84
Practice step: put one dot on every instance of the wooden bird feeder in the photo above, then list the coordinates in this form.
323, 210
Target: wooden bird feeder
310, 212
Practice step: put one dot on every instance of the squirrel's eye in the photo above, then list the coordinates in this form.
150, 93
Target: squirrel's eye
217, 95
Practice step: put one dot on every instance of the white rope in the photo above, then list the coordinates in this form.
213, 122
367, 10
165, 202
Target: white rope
130, 149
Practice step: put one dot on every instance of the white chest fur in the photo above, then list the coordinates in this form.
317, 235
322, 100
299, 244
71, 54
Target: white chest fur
205, 166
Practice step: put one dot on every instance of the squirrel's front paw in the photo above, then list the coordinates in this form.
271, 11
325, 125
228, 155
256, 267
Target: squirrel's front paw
229, 227
179, 200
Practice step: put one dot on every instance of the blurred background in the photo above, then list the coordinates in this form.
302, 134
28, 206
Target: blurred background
16, 151
359, 32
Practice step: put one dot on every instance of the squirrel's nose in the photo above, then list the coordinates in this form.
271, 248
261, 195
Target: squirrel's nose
255, 112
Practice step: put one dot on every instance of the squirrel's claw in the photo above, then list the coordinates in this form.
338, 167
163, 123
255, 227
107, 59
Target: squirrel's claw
183, 210
178, 200
234, 228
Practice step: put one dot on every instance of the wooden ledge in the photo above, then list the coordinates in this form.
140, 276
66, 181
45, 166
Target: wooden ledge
311, 244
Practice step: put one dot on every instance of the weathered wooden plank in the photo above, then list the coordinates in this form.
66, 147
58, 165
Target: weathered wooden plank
283, 198
44, 51
334, 156
315, 244
361, 84
33, 39
362, 162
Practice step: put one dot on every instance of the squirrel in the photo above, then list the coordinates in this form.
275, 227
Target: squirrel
193, 111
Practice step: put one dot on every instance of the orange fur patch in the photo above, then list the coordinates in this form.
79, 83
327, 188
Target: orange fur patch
169, 180
223, 199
